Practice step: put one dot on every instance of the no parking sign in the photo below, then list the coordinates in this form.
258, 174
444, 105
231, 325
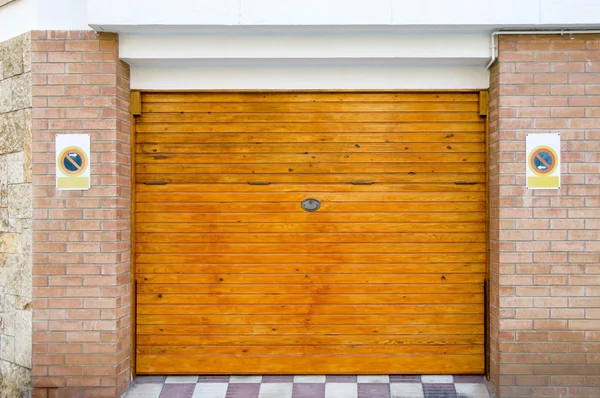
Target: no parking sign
543, 161
72, 161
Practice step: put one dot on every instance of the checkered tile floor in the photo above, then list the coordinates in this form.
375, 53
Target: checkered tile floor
394, 386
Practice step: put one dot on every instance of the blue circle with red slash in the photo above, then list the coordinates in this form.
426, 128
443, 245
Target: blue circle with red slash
543, 160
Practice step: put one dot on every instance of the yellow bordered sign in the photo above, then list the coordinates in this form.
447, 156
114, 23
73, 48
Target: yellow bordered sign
543, 161
72, 162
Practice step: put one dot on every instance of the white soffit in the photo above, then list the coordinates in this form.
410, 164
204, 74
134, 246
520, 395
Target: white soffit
304, 74
307, 58
307, 43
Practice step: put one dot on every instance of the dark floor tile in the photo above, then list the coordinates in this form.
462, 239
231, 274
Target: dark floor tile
405, 379
439, 390
243, 390
177, 391
469, 379
308, 390
150, 379
373, 390
341, 379
213, 379
278, 379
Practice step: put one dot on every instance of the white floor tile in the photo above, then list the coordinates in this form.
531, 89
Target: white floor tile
181, 379
373, 378
437, 379
245, 379
144, 391
210, 390
341, 390
472, 390
406, 390
309, 379
276, 390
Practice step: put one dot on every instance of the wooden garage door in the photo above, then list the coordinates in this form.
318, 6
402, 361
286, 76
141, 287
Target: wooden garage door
234, 277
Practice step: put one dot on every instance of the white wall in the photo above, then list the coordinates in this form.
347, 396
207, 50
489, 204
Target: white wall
62, 15
17, 18
125, 15
21, 16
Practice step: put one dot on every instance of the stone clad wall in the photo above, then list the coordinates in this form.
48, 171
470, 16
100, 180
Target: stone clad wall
15, 207
4, 2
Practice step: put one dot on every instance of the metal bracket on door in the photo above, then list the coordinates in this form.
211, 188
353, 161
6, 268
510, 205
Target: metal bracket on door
361, 182
259, 183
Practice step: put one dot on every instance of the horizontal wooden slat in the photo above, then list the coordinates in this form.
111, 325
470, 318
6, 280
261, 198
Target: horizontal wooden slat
313, 178
321, 157
294, 350
309, 287
279, 188
308, 237
311, 227
158, 195
306, 280
447, 127
313, 97
454, 319
310, 248
402, 340
316, 168
307, 283
194, 114
308, 217
296, 111
172, 298
316, 137
307, 258
368, 364
312, 309
433, 272
304, 284
282, 330
311, 148
326, 208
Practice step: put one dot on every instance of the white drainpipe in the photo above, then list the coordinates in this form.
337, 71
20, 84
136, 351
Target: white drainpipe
530, 32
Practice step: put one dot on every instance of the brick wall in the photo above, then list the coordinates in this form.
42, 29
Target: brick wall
545, 261
15, 210
81, 242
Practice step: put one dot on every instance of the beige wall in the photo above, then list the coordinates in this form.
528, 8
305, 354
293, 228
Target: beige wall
15, 207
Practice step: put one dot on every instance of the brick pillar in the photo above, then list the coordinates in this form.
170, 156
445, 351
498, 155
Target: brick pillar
493, 187
81, 243
545, 262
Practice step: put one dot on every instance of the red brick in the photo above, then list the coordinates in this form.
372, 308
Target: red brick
48, 91
85, 91
43, 46
64, 79
82, 45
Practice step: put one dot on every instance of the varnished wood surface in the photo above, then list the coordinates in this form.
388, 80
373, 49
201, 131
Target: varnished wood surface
236, 278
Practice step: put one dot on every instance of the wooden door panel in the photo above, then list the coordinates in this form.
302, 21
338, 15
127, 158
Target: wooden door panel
234, 277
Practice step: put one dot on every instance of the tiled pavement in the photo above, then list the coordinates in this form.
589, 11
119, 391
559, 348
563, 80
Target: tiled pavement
394, 386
